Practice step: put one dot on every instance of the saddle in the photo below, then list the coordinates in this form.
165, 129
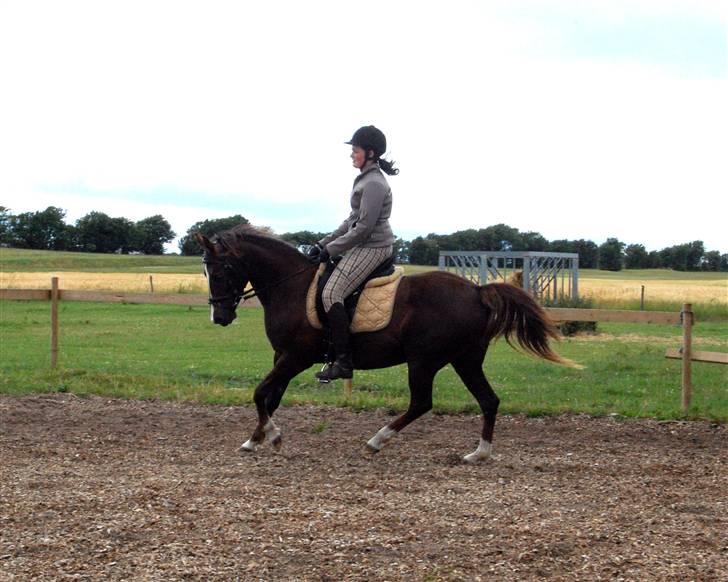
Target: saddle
369, 306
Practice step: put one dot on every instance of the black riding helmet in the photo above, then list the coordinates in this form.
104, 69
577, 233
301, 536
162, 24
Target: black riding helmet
369, 138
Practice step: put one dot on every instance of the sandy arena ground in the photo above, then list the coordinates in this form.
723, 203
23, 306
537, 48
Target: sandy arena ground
94, 489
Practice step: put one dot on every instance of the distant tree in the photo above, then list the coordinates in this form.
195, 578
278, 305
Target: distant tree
150, 234
97, 232
561, 246
188, 245
44, 229
696, 250
461, 240
401, 250
684, 257
588, 252
653, 260
303, 237
611, 255
711, 261
5, 225
724, 262
500, 235
669, 257
534, 241
424, 251
635, 257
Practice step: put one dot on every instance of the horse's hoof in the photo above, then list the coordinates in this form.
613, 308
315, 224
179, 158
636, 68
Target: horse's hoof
277, 443
248, 447
482, 453
372, 449
475, 458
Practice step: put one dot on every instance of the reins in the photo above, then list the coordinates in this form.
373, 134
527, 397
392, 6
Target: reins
243, 295
252, 292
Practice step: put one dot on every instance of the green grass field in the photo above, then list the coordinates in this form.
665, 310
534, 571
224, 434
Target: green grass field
173, 352
170, 352
24, 260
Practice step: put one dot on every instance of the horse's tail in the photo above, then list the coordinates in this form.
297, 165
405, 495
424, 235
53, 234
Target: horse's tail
512, 310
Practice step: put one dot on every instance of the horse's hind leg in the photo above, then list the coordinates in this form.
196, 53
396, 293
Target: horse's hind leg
470, 369
420, 383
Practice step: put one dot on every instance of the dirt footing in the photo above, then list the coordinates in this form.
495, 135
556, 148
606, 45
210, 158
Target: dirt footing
96, 489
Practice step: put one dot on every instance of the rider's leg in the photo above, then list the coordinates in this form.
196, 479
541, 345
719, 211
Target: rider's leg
351, 272
343, 367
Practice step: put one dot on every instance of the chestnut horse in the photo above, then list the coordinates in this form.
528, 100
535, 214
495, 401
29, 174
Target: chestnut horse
439, 319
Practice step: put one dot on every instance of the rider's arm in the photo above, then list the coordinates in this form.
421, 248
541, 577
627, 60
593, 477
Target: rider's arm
343, 228
372, 200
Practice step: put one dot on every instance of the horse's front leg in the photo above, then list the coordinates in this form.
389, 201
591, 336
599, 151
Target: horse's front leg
267, 397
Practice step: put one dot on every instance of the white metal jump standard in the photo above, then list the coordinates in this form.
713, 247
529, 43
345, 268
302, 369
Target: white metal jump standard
549, 276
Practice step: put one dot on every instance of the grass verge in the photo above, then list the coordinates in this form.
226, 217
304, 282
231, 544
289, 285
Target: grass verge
174, 353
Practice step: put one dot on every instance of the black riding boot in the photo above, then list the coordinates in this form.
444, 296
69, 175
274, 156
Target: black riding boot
343, 367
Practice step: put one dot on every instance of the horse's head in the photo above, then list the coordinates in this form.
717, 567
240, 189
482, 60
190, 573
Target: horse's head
226, 279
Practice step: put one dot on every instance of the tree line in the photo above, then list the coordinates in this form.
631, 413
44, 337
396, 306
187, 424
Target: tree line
98, 232
612, 255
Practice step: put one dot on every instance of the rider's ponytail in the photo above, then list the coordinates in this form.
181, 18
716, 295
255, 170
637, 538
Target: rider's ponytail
388, 167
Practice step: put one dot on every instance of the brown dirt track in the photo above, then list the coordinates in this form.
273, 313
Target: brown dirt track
96, 489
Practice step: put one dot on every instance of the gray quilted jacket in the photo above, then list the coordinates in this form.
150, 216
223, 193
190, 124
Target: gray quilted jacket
368, 224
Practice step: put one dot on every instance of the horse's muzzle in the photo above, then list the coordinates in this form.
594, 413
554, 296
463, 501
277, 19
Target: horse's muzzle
224, 319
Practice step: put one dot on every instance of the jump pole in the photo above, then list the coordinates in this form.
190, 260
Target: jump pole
687, 349
54, 322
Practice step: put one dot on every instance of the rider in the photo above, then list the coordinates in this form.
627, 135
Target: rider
364, 239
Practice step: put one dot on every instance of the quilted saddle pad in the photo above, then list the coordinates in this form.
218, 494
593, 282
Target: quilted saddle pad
374, 310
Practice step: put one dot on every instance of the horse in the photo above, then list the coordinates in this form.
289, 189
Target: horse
438, 319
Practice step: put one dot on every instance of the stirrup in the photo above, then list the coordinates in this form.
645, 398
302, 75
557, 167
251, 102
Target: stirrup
321, 379
335, 372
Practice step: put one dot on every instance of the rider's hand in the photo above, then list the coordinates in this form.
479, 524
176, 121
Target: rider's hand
324, 256
314, 253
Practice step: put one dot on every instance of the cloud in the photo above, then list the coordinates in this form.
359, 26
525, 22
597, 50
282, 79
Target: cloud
533, 114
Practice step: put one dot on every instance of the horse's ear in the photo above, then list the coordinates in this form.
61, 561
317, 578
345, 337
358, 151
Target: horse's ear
204, 242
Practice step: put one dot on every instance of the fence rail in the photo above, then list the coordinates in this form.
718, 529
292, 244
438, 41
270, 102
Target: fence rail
558, 314
613, 315
113, 297
684, 318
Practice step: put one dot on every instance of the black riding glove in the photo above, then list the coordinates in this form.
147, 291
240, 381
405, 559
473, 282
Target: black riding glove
314, 253
324, 255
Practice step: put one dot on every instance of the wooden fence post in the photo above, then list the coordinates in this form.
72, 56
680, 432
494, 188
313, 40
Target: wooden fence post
348, 387
687, 349
151, 284
54, 322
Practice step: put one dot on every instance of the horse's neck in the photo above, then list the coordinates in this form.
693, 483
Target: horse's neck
269, 271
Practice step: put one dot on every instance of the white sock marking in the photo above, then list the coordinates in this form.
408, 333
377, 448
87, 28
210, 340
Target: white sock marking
249, 446
481, 453
270, 433
377, 441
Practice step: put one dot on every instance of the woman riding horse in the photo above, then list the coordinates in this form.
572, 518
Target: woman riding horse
364, 239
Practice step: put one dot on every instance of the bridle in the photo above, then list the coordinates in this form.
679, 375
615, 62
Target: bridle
236, 294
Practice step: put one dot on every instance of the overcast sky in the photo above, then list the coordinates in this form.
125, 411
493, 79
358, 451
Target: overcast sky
576, 119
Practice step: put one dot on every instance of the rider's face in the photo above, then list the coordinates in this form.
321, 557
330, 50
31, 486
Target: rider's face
358, 157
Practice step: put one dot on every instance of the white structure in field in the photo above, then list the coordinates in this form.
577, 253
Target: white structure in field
552, 277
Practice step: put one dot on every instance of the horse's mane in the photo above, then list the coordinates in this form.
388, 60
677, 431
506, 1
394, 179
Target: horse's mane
234, 238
